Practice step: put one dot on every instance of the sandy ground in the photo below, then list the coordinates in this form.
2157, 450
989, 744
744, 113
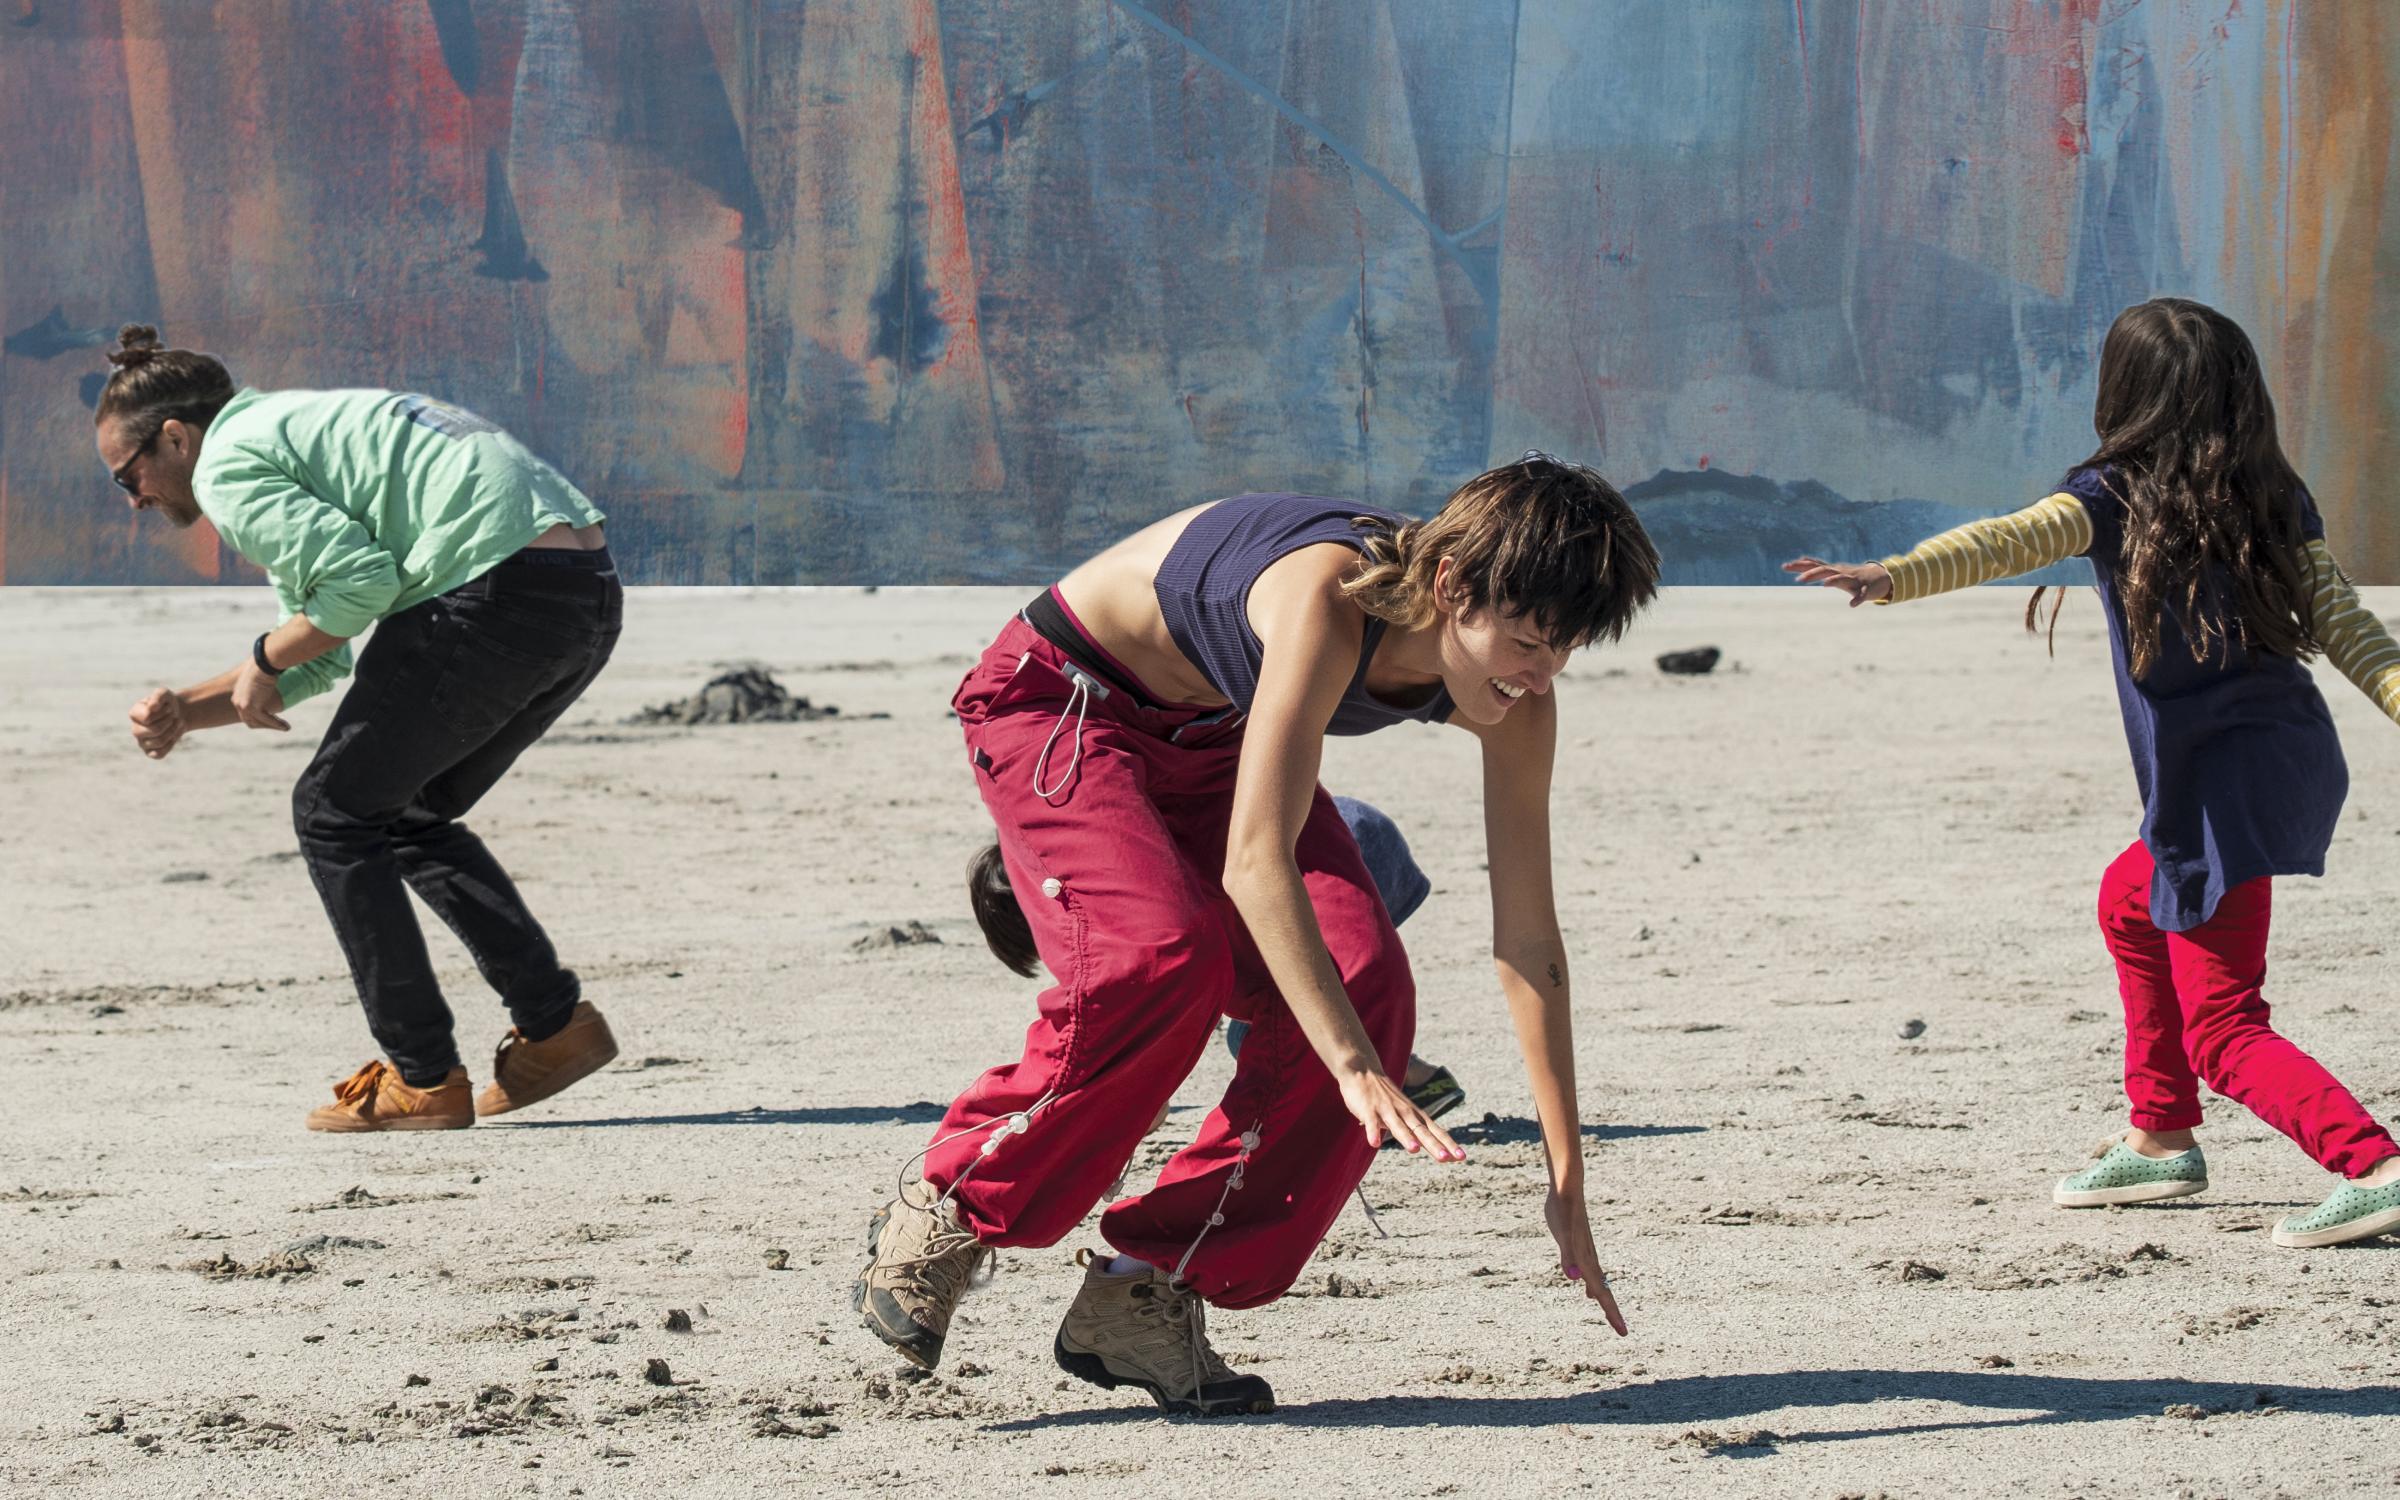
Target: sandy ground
1835, 1245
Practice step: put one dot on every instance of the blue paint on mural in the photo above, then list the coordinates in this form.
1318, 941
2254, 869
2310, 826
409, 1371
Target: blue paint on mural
959, 290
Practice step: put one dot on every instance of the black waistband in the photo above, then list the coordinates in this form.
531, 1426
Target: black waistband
1051, 622
597, 561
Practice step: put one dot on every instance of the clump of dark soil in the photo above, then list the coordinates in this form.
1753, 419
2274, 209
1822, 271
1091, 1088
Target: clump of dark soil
747, 694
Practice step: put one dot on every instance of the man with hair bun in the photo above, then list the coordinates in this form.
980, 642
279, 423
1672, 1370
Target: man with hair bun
498, 605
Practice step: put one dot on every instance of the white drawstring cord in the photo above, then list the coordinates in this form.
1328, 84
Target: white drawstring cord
1079, 703
1377, 1224
1015, 1122
1233, 1185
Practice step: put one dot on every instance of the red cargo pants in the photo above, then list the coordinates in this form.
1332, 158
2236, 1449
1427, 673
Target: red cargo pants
1112, 818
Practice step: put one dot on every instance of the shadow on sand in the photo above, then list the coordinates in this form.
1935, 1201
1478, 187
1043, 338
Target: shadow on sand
1491, 1130
2014, 1401
1516, 1130
923, 1112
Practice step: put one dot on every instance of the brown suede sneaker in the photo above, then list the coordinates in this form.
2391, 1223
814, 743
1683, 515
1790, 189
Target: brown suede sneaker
528, 1072
1146, 1329
376, 1097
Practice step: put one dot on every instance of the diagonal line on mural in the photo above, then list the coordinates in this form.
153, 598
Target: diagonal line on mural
1449, 243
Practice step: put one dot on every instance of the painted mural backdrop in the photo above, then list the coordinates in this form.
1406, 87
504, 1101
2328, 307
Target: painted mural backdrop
955, 290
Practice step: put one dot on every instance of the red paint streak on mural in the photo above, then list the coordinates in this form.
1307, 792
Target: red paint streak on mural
950, 258
2051, 34
952, 264
443, 124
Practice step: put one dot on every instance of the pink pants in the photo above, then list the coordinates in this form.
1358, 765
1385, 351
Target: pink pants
2193, 1011
1118, 869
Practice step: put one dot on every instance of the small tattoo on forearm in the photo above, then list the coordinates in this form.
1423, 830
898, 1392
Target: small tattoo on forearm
1558, 981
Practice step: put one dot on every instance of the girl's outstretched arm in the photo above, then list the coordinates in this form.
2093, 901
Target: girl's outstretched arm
2048, 531
1532, 959
1312, 637
2355, 641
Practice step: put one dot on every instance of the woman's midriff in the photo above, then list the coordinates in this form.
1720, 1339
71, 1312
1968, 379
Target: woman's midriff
1136, 634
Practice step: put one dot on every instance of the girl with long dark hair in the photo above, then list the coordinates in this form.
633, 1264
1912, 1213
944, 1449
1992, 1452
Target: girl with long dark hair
2210, 559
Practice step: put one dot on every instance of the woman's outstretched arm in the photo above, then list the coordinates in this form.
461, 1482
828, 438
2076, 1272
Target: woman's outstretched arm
1531, 957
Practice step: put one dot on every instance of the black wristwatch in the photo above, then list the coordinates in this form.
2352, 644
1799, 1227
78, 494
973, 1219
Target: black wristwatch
258, 654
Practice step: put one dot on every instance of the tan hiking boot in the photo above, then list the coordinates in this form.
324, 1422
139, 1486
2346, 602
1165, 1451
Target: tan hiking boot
526, 1072
1147, 1329
924, 1261
376, 1097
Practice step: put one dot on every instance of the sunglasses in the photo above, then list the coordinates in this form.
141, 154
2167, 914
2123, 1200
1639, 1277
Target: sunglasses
123, 473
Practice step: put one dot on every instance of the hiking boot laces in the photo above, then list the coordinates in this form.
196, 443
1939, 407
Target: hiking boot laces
1184, 1322
942, 1276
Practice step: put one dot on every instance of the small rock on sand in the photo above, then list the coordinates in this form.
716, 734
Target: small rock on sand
223, 1267
910, 936
1696, 662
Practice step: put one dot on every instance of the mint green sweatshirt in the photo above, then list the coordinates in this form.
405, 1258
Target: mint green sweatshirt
359, 504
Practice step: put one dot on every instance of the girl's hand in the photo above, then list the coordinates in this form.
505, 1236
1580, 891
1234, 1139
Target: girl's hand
158, 723
1865, 583
1383, 1106
1571, 1227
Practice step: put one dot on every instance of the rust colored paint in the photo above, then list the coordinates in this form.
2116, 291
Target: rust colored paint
958, 290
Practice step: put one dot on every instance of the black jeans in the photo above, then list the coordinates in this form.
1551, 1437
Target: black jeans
448, 694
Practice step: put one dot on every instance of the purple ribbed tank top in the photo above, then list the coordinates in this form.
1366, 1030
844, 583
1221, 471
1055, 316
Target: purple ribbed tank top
1204, 592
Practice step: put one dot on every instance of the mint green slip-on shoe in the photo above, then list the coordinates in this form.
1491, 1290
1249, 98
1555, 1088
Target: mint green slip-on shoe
2124, 1175
2350, 1213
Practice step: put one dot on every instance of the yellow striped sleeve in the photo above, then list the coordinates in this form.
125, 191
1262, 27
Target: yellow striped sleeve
2355, 641
2048, 531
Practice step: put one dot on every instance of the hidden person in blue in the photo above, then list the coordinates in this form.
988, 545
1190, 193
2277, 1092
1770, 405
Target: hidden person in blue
2211, 563
498, 605
1399, 880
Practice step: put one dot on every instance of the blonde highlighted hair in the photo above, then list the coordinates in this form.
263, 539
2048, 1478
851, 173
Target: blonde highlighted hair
1539, 538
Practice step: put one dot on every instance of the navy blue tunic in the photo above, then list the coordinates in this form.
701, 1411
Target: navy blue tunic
2240, 771
1203, 590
